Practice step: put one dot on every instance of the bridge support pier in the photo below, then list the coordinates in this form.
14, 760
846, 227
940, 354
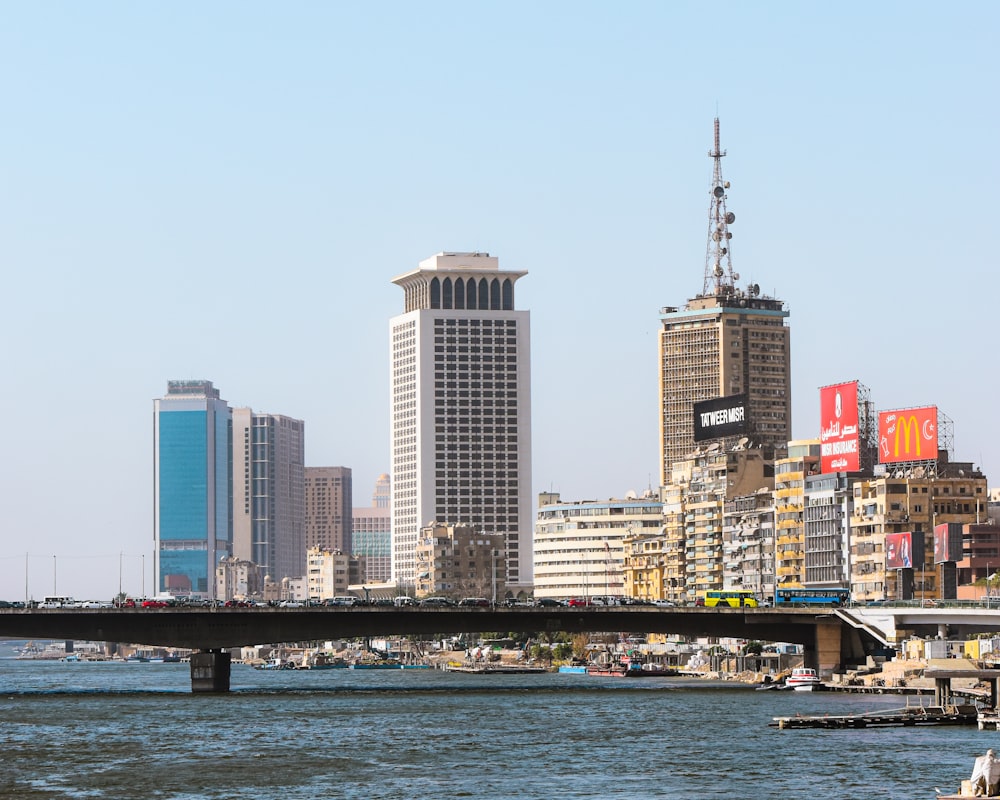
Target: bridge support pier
826, 657
210, 671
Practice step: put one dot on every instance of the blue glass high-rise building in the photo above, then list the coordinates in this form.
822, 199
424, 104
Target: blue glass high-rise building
192, 465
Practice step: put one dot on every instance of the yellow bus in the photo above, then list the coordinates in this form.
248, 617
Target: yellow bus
733, 599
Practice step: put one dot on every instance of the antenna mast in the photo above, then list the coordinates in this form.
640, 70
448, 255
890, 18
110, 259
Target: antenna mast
719, 276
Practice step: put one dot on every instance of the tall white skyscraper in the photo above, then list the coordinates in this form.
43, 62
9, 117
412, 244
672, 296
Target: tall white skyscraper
461, 409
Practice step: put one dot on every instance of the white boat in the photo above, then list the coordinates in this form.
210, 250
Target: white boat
803, 679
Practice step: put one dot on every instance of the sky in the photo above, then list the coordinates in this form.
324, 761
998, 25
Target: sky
225, 191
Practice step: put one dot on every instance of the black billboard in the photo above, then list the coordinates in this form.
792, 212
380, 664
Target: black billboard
723, 416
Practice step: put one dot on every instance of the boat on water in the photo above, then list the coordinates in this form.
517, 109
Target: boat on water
629, 667
803, 679
275, 663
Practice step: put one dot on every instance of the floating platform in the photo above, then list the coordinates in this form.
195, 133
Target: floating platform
905, 717
494, 669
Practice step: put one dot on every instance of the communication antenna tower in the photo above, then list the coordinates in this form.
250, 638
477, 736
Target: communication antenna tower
719, 275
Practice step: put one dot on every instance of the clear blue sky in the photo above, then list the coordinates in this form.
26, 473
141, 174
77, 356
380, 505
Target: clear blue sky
225, 191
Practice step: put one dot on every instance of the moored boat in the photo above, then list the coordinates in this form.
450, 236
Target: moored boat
803, 679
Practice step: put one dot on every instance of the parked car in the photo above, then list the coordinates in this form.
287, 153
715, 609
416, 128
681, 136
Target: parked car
548, 602
664, 604
474, 602
604, 600
578, 602
403, 601
291, 604
344, 600
155, 604
437, 601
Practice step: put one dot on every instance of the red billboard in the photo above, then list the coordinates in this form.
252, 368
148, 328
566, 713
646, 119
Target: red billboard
838, 417
908, 435
947, 542
898, 550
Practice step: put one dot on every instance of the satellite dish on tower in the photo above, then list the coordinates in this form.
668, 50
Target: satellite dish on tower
730, 217
719, 191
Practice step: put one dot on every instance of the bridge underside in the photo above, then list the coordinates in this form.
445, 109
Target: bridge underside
827, 641
207, 628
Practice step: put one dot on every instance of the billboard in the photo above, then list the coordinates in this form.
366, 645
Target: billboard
719, 417
898, 550
947, 542
838, 417
908, 435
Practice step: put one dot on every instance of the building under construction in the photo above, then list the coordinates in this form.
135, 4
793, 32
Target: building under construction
726, 341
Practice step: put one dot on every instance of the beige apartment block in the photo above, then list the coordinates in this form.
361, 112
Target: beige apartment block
328, 573
458, 561
329, 516
900, 505
789, 510
706, 479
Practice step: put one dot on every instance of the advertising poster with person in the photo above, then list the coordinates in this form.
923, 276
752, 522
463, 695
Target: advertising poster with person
898, 550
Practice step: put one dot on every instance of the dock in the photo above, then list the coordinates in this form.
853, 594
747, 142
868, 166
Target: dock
493, 669
906, 717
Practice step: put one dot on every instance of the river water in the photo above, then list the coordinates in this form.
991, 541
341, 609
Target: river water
116, 730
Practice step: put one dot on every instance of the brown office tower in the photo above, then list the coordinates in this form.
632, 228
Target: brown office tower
725, 370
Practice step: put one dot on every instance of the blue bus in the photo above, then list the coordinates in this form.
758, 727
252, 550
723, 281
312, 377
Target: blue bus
811, 597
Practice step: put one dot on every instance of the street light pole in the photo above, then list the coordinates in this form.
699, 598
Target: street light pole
493, 557
54, 592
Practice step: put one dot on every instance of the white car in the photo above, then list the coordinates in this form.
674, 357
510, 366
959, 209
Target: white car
664, 604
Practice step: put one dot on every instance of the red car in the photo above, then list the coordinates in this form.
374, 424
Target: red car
155, 604
575, 602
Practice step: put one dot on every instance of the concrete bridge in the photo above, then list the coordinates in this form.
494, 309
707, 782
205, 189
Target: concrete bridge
831, 638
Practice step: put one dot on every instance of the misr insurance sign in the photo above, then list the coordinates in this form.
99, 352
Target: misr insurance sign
907, 435
838, 438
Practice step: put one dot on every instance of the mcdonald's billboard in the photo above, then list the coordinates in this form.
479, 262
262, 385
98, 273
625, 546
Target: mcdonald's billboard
838, 417
908, 435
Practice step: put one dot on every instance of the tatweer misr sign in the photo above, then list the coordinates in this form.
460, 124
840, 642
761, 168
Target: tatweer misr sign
723, 416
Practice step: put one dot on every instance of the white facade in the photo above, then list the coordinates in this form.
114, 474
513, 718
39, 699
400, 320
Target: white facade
461, 409
580, 546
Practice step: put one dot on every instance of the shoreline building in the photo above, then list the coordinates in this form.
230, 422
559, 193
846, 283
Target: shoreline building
790, 474
329, 504
372, 535
460, 561
748, 543
725, 342
582, 547
695, 516
269, 493
192, 487
461, 410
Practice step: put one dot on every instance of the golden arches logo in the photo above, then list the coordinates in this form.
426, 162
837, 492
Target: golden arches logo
910, 425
